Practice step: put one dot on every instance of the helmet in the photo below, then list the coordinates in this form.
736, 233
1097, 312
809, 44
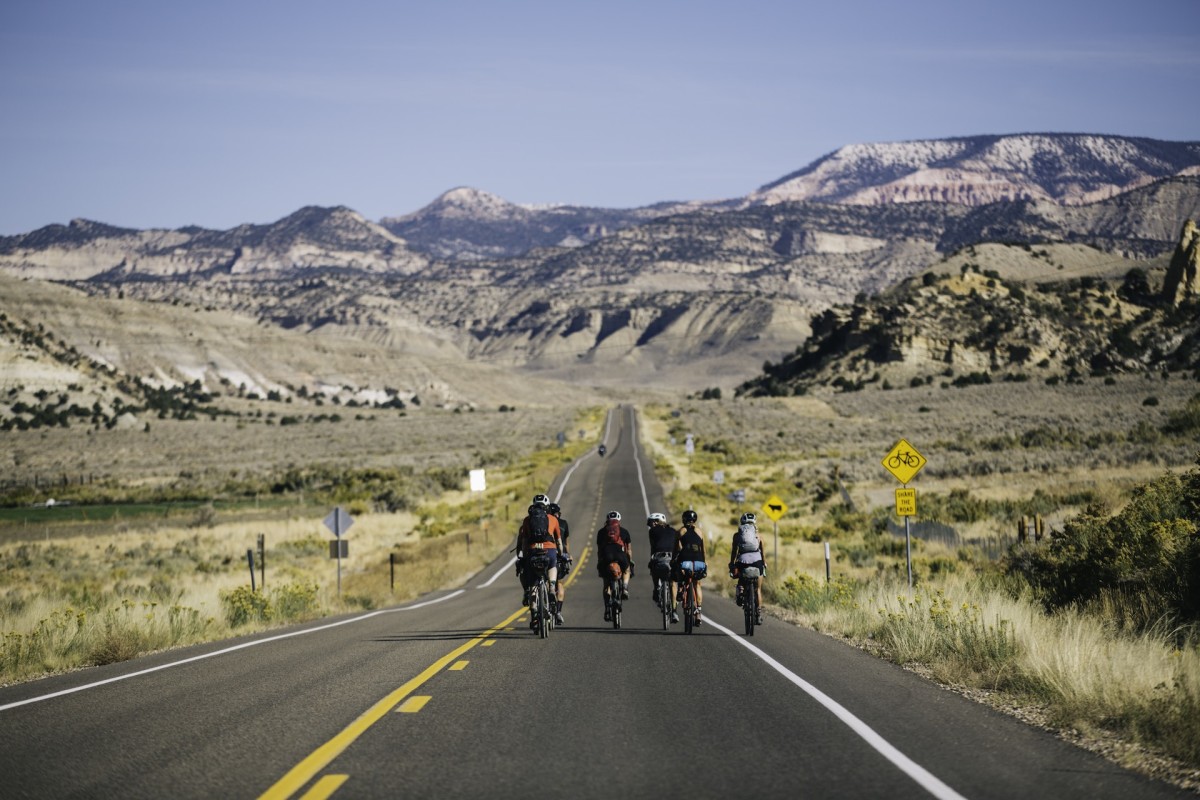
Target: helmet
541, 500
554, 509
653, 518
749, 519
615, 515
689, 517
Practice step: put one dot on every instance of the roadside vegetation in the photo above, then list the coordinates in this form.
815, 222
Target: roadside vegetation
1091, 629
121, 569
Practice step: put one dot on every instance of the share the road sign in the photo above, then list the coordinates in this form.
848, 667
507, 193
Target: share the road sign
903, 461
906, 502
774, 508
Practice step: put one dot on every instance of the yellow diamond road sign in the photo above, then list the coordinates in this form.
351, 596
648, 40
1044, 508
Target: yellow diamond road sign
774, 508
903, 461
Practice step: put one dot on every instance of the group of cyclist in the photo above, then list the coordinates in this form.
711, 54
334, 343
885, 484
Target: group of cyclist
675, 554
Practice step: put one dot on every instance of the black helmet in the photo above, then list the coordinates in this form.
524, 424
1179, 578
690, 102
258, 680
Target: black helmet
689, 517
554, 509
615, 515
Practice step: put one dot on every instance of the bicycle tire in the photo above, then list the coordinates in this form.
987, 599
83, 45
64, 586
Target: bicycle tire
664, 598
614, 590
750, 606
689, 607
543, 611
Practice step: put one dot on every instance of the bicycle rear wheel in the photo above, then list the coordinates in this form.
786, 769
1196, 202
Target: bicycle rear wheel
614, 589
750, 606
543, 611
689, 607
664, 602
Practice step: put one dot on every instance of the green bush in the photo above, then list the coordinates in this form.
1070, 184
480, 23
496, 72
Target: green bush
295, 601
1150, 549
243, 605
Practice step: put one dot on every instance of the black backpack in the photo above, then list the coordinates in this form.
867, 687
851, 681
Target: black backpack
539, 525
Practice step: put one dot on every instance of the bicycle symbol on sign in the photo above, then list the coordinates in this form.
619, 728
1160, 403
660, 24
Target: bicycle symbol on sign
904, 458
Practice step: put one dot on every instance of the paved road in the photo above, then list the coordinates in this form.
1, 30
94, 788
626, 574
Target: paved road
453, 697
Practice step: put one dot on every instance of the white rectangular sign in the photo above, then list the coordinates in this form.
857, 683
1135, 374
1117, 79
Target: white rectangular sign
478, 481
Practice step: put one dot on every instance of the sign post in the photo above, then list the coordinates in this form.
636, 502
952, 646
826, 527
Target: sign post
775, 508
904, 462
338, 523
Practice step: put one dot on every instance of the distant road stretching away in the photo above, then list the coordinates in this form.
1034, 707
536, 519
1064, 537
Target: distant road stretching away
452, 696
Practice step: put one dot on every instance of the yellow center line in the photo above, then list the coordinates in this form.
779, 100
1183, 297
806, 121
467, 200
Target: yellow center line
460, 665
488, 643
320, 758
325, 787
414, 704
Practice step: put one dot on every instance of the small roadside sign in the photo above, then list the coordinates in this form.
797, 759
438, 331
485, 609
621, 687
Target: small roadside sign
906, 502
903, 461
338, 521
478, 480
774, 508
719, 476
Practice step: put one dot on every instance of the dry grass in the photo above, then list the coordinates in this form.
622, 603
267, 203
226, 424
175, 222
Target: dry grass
1133, 697
106, 592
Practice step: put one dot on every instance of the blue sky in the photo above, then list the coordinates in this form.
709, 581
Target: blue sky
162, 114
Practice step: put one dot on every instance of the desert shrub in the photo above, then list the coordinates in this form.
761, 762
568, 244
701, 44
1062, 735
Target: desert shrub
1185, 422
1150, 549
802, 592
295, 601
243, 605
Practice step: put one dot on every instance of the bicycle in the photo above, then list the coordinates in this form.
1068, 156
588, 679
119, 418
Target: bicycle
748, 585
688, 590
660, 569
614, 600
541, 618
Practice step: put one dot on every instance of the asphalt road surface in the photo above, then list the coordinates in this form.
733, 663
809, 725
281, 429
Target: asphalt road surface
453, 696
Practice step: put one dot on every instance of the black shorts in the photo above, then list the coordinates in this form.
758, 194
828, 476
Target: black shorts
612, 557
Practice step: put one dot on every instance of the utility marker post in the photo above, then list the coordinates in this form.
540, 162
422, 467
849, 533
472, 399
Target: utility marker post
478, 484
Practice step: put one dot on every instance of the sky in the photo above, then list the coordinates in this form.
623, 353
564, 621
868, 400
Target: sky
163, 114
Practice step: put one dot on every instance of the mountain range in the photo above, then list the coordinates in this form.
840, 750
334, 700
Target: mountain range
683, 294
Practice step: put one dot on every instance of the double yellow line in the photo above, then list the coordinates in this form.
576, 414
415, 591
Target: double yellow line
323, 756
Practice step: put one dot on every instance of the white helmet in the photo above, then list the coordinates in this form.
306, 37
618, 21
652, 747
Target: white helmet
541, 500
656, 517
615, 515
749, 519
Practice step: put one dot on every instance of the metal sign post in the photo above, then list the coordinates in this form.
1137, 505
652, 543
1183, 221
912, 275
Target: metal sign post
339, 522
904, 462
775, 509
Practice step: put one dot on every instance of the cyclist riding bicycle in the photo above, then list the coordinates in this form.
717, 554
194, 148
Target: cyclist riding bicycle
614, 546
689, 558
746, 551
538, 537
662, 548
564, 560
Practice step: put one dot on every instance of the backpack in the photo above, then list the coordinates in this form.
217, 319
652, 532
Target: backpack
613, 529
539, 525
746, 539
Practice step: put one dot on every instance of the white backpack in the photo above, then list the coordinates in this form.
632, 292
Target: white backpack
746, 539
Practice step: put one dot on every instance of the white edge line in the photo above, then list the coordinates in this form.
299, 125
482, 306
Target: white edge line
499, 572
637, 459
223, 651
924, 778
